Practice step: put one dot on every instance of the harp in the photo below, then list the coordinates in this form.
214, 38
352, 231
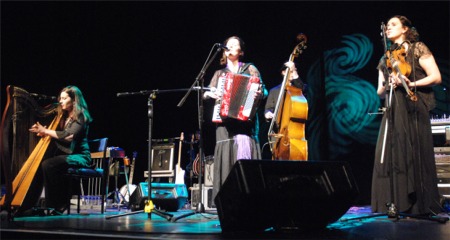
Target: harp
21, 150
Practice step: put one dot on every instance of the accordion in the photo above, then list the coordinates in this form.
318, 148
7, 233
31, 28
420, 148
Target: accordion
237, 99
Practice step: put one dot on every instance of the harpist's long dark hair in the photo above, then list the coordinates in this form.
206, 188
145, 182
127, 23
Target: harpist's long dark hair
80, 108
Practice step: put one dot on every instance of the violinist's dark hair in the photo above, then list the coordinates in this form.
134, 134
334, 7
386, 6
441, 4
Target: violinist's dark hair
223, 60
411, 34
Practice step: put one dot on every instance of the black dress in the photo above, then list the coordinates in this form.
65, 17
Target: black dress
407, 163
234, 135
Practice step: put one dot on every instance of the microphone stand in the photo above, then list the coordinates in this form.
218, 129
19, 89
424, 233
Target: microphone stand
199, 82
149, 207
392, 211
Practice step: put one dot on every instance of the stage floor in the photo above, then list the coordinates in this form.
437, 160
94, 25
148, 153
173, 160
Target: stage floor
120, 224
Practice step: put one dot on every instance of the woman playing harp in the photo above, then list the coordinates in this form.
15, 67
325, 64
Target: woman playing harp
69, 147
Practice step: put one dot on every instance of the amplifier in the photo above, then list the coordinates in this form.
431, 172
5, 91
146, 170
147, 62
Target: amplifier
440, 129
444, 189
209, 174
208, 200
162, 161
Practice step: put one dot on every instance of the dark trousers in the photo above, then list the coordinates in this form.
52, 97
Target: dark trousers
56, 182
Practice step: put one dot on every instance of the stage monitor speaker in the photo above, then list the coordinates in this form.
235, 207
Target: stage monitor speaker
294, 195
166, 196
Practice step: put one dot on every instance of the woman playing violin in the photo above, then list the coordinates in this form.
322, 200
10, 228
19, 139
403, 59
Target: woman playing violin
405, 144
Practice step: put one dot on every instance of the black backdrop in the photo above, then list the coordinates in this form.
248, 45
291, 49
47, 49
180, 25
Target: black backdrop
110, 47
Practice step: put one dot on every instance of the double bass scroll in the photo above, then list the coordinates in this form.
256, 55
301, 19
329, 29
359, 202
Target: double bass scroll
287, 129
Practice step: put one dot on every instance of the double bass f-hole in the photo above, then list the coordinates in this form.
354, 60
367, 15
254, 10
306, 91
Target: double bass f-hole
287, 129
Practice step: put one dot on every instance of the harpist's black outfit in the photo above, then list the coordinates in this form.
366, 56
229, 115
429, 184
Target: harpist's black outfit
65, 154
409, 150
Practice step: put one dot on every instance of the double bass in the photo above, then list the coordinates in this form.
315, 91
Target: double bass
287, 129
21, 152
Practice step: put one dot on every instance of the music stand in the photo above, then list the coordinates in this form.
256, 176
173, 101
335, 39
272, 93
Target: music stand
199, 83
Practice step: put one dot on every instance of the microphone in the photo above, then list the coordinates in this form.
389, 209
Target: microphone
383, 29
123, 94
165, 139
42, 96
204, 88
222, 46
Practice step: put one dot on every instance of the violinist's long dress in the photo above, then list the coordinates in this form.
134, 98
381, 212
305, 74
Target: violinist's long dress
409, 151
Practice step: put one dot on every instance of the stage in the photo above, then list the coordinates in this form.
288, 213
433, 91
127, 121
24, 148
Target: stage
118, 224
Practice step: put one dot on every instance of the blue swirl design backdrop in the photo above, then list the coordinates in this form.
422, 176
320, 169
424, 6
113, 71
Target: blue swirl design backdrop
344, 108
341, 103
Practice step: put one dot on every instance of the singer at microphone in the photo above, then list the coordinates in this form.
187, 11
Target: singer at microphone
240, 132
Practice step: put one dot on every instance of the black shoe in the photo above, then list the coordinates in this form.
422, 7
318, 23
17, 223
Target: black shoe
24, 213
55, 213
58, 211
30, 212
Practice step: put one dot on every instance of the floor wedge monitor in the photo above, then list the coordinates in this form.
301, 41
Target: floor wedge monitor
166, 196
262, 194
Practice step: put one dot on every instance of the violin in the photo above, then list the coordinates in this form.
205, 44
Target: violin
396, 62
397, 57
